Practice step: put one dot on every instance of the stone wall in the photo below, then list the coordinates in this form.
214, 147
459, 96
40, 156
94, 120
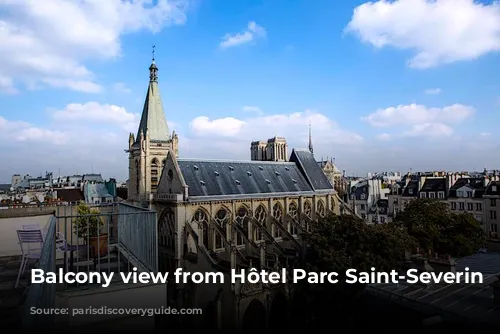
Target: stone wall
28, 211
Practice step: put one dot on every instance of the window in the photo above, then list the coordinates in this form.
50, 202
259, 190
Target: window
362, 206
441, 194
422, 195
363, 216
469, 194
493, 202
493, 214
494, 188
460, 193
479, 206
410, 191
363, 196
494, 228
432, 195
470, 206
453, 205
461, 206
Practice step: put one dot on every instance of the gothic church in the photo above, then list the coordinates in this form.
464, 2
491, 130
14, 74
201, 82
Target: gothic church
218, 215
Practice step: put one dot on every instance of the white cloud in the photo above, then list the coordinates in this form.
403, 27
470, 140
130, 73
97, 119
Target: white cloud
47, 42
439, 32
429, 130
383, 136
416, 114
234, 135
253, 109
252, 33
485, 134
26, 132
433, 91
121, 87
94, 112
228, 126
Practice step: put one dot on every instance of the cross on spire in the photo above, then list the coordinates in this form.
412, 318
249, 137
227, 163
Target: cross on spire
153, 53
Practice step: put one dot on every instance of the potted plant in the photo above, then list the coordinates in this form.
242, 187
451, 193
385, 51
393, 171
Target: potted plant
88, 226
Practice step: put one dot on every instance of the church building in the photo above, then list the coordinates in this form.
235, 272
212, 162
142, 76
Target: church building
217, 215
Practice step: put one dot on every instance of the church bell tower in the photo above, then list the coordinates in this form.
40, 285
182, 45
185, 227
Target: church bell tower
148, 149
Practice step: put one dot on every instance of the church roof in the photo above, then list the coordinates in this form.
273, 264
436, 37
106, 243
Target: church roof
153, 117
311, 170
211, 178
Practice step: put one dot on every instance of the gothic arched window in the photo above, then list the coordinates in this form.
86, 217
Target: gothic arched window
242, 221
321, 208
154, 174
137, 177
278, 215
201, 219
332, 204
222, 219
261, 217
166, 231
308, 213
293, 213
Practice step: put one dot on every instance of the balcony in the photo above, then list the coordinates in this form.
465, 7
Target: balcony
127, 239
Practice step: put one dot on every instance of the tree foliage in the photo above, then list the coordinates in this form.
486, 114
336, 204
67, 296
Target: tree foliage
88, 222
438, 230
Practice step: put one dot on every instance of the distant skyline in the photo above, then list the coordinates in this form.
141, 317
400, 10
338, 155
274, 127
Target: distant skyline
386, 86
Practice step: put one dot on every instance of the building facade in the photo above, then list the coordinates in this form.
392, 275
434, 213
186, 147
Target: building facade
275, 149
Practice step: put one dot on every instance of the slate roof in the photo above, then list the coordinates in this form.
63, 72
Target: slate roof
310, 168
475, 184
411, 185
232, 178
153, 117
431, 185
97, 190
489, 190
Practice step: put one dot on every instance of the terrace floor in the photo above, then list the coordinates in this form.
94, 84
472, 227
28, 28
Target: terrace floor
12, 299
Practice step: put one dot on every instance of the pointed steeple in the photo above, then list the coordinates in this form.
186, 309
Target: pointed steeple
153, 120
310, 140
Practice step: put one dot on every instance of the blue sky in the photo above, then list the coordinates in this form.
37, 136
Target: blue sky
386, 85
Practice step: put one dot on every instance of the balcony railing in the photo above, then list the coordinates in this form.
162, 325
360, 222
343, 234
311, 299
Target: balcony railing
42, 296
127, 238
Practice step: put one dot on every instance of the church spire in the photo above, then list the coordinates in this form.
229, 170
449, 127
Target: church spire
153, 120
153, 70
310, 140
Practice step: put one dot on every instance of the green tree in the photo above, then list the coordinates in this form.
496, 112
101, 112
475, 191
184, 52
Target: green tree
88, 222
338, 243
438, 230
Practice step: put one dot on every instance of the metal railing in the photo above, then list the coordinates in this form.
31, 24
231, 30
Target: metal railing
42, 296
138, 236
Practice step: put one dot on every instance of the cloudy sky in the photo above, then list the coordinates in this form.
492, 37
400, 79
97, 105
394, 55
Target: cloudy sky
386, 85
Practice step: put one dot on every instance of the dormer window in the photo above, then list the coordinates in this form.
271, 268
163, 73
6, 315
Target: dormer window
249, 173
196, 167
268, 182
432, 195
216, 173
422, 195
287, 169
202, 183
261, 168
231, 168
277, 173
441, 194
238, 182
294, 181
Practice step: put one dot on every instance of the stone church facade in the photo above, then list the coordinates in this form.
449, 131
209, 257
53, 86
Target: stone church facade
218, 215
